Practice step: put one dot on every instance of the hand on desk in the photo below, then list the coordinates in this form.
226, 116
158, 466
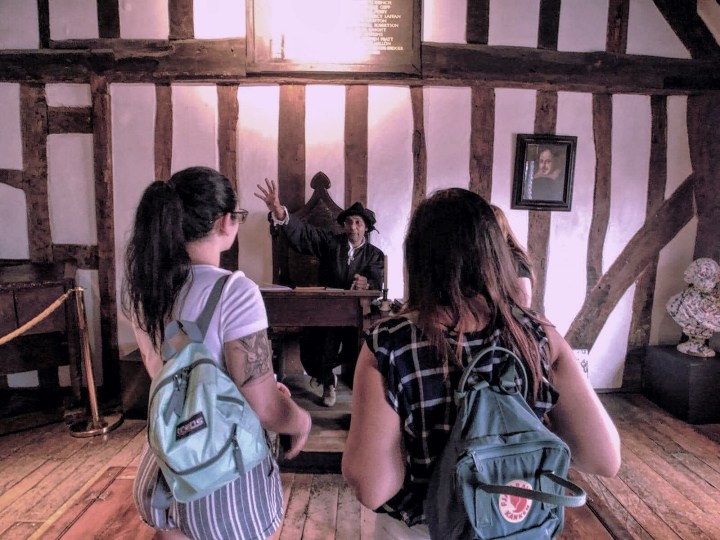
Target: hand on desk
360, 283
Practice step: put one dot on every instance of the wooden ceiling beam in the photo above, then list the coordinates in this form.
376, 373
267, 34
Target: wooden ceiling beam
127, 61
544, 69
447, 64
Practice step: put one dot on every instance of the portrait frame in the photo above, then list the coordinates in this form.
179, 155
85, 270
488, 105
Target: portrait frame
544, 169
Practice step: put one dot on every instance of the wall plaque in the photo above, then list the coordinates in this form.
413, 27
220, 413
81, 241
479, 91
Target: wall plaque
367, 36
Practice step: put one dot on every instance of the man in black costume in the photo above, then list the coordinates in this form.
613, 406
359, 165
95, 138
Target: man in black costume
347, 261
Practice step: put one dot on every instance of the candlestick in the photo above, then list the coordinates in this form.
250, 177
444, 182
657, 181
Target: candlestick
385, 272
384, 303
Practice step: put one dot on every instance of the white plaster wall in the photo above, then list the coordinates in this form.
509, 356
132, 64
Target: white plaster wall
144, 19
390, 175
390, 169
10, 131
133, 126
514, 113
677, 255
257, 156
583, 25
629, 179
68, 95
629, 172
444, 21
673, 260
446, 115
73, 19
14, 243
215, 19
325, 138
650, 34
679, 166
194, 137
566, 280
514, 22
607, 356
18, 25
71, 189
71, 205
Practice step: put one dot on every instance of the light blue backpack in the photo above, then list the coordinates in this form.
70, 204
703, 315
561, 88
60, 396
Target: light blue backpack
200, 427
502, 473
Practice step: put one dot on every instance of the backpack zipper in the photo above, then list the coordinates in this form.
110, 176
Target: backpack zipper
232, 441
507, 450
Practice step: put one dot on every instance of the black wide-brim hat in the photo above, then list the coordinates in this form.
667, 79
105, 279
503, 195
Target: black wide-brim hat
357, 209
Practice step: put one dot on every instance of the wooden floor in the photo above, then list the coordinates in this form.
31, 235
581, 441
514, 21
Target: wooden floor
53, 485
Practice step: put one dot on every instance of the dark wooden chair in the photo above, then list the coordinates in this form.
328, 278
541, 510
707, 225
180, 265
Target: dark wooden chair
291, 268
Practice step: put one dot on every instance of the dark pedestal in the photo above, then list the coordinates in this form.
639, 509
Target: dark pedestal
686, 386
134, 386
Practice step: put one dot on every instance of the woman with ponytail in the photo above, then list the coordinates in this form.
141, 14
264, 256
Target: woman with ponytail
172, 263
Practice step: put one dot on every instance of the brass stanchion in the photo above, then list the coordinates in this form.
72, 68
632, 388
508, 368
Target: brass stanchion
96, 425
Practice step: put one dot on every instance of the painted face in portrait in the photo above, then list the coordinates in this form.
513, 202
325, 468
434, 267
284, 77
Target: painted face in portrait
546, 163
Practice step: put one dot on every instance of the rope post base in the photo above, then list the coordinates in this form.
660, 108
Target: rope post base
96, 425
88, 428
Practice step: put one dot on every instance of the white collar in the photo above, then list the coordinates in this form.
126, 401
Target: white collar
351, 250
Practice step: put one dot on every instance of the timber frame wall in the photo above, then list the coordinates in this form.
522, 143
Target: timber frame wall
483, 68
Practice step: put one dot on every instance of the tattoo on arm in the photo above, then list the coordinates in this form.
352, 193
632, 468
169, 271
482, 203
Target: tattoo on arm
254, 354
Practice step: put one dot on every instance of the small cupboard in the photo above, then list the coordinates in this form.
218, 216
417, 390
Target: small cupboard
39, 368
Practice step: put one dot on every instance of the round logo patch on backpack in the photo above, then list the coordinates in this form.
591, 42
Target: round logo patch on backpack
513, 508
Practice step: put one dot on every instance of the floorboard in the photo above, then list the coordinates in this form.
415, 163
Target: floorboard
54, 486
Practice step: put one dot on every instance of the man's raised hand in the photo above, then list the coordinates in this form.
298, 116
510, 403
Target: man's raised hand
269, 195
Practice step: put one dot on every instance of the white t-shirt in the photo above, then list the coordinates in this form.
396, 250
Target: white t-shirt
240, 311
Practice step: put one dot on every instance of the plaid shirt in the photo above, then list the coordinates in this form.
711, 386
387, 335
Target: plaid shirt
421, 392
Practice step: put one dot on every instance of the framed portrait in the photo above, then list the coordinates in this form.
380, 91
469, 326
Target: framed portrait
544, 167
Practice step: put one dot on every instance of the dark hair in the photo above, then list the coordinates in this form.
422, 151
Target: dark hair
553, 151
519, 254
157, 265
460, 268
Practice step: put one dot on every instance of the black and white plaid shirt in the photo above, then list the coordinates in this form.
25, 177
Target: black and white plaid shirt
421, 392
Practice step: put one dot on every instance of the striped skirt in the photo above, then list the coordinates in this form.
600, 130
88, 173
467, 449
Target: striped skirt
249, 507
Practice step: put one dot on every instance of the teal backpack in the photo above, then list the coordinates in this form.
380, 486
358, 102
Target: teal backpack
200, 427
502, 473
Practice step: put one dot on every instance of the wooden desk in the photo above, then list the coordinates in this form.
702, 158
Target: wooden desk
289, 310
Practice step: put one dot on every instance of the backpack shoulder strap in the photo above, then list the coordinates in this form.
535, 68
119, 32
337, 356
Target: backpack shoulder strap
203, 320
507, 380
178, 333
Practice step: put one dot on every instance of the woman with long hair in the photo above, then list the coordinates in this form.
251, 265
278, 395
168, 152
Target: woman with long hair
523, 266
463, 296
172, 263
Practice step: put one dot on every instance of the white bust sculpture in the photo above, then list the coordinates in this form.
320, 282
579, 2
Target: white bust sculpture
697, 308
